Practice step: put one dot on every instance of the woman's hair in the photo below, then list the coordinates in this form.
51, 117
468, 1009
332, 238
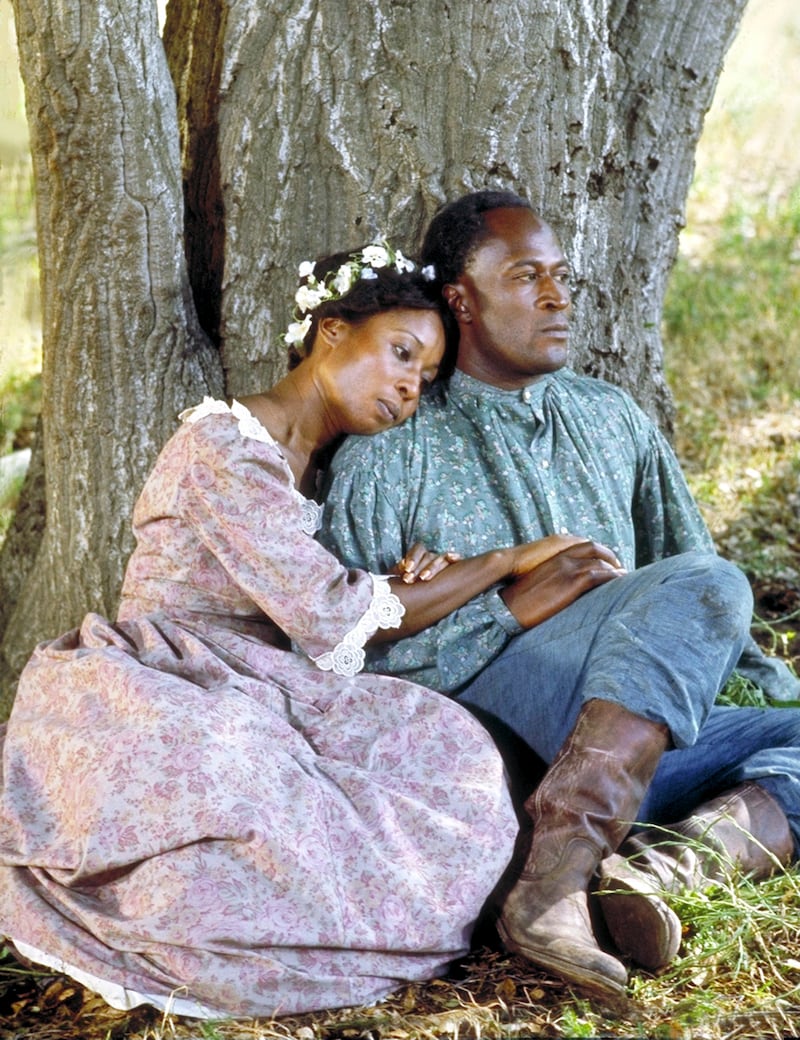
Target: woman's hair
459, 228
374, 290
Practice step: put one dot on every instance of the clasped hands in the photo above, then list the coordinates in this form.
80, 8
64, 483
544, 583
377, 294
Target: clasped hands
545, 576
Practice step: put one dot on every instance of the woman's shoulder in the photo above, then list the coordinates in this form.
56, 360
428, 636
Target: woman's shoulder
219, 424
226, 439
227, 417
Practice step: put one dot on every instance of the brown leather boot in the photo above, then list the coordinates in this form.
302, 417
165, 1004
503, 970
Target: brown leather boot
581, 811
743, 830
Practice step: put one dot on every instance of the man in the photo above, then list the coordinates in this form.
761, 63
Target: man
613, 688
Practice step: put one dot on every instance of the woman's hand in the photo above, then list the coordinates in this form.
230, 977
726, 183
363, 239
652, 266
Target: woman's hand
420, 564
559, 581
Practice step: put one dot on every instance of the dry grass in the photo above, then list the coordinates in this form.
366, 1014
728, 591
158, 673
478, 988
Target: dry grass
737, 976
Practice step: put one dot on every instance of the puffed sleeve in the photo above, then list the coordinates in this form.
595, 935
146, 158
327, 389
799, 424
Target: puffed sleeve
666, 517
238, 495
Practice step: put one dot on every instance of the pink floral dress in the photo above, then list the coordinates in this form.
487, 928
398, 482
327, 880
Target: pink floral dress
205, 806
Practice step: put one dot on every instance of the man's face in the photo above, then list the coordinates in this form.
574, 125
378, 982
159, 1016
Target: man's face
512, 302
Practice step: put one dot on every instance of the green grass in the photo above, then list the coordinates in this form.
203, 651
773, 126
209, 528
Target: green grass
20, 402
731, 326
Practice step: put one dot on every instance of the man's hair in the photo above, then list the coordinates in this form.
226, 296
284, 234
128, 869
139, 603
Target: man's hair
458, 229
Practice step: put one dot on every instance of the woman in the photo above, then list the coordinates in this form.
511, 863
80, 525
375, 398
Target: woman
194, 814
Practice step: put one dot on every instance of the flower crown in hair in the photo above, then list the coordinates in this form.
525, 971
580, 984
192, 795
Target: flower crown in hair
335, 284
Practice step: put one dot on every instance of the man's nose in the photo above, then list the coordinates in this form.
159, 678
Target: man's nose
553, 294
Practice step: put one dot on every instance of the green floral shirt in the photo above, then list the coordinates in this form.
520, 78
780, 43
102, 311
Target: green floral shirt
478, 468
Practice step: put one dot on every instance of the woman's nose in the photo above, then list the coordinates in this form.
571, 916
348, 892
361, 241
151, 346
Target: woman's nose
410, 385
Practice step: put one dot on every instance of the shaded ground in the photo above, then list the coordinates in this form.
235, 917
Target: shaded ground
488, 997
778, 604
492, 995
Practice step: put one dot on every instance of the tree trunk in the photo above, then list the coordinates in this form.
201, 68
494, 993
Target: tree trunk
308, 127
337, 121
122, 349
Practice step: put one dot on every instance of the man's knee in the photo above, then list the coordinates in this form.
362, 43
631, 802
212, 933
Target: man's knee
718, 586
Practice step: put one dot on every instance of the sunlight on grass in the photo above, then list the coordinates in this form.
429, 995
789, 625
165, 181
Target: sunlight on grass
731, 322
738, 961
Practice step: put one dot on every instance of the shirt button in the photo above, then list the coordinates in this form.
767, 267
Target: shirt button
545, 464
563, 530
526, 395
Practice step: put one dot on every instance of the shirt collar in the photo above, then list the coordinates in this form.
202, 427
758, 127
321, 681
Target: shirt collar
468, 391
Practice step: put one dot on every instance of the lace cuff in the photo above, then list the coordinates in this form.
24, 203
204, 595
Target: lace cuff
385, 611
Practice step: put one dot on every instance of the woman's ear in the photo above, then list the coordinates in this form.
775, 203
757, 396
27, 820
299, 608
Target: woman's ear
331, 331
456, 299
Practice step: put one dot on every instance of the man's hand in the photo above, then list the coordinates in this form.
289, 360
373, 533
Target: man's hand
560, 580
420, 564
530, 555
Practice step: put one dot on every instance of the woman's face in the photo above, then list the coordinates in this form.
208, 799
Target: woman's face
375, 371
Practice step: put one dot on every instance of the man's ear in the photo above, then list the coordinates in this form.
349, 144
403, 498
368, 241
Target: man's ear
456, 299
331, 331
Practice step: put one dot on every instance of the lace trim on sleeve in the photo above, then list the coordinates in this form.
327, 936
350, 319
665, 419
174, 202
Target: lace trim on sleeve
385, 611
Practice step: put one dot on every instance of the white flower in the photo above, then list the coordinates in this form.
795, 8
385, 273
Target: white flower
375, 256
296, 332
347, 660
360, 265
402, 263
388, 611
428, 272
344, 279
308, 297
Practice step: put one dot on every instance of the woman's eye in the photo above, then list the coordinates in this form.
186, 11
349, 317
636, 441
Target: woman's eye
402, 352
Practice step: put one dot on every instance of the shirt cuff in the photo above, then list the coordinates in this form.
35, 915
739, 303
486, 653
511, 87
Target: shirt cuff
501, 614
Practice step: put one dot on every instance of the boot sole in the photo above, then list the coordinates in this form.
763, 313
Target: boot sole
641, 925
599, 984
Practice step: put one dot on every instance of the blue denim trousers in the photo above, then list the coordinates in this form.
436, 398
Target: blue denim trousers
660, 641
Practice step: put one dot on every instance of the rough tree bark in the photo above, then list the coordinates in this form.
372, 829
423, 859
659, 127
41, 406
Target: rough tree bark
122, 349
309, 125
339, 120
